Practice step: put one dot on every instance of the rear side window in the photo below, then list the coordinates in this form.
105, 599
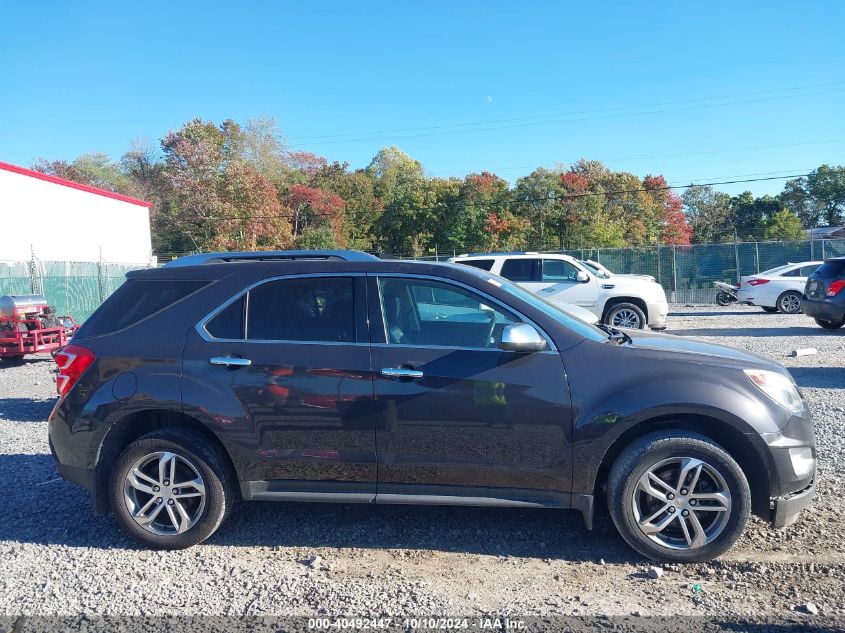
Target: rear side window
483, 264
136, 300
832, 269
306, 309
521, 269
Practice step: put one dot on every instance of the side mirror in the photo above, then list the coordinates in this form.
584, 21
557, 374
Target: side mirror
582, 277
522, 337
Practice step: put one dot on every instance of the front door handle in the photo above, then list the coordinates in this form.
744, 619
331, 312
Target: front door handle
230, 361
409, 374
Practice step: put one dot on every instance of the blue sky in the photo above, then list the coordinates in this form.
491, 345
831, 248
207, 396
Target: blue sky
707, 91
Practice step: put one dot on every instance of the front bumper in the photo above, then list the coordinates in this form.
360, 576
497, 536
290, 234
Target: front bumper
657, 313
785, 510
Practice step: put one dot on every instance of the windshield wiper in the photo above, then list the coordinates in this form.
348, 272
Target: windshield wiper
615, 334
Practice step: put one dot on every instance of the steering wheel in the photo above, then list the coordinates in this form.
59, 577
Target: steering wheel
491, 327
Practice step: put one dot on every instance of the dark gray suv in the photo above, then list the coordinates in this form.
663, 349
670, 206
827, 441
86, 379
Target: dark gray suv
335, 376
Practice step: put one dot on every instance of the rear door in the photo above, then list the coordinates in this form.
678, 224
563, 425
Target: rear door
283, 373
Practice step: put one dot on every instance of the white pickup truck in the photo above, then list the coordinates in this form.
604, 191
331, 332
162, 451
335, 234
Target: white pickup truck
631, 301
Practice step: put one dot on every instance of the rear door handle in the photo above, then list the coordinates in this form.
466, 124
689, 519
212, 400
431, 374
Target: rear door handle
230, 361
392, 372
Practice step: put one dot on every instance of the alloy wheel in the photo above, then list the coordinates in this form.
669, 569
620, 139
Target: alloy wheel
164, 493
626, 318
682, 503
790, 304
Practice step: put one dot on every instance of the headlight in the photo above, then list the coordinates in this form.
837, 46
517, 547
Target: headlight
778, 387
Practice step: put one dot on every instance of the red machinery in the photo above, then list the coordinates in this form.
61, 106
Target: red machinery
28, 325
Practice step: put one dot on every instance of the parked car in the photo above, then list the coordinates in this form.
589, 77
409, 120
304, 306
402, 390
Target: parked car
627, 301
824, 295
778, 289
338, 377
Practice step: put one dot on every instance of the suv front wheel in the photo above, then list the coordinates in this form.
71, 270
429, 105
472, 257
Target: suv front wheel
171, 489
678, 496
626, 315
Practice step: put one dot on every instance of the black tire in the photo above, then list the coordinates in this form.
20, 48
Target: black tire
725, 299
793, 297
769, 309
17, 359
212, 466
651, 450
829, 325
619, 309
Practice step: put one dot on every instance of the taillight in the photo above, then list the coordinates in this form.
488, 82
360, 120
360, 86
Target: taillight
757, 282
835, 286
73, 360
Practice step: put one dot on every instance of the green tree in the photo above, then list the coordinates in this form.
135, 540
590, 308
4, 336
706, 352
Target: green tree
782, 225
708, 213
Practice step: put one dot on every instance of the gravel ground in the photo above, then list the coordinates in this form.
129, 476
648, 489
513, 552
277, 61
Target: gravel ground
304, 559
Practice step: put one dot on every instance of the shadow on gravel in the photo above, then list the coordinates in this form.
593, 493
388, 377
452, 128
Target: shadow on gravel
821, 377
26, 409
757, 331
46, 510
715, 313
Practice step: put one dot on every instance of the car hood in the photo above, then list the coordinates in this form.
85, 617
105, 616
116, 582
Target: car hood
673, 346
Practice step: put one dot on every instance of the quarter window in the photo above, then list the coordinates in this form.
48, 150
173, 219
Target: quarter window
483, 264
428, 312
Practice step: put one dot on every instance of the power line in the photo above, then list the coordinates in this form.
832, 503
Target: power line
551, 198
562, 114
493, 125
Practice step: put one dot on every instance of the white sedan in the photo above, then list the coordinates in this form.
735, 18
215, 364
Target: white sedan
779, 289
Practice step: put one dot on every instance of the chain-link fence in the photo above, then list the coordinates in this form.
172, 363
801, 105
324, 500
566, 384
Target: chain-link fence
687, 273
74, 288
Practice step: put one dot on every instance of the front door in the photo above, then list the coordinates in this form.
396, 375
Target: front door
559, 279
284, 372
455, 415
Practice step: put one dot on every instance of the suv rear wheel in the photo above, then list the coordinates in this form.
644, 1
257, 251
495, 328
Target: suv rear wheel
625, 315
171, 489
678, 496
830, 325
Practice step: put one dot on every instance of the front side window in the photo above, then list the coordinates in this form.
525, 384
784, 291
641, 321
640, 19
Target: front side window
307, 309
559, 270
429, 312
521, 269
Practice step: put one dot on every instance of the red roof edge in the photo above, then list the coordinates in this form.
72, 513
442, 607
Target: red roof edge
73, 185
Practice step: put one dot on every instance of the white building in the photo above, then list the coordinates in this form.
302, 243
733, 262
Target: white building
61, 220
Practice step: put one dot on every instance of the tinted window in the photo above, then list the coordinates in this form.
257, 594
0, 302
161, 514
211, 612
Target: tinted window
520, 269
835, 268
483, 264
303, 309
559, 270
806, 271
136, 300
229, 323
795, 272
428, 312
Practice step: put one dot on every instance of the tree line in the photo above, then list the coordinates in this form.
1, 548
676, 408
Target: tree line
238, 187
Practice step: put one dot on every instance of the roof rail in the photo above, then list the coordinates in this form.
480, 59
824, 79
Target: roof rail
270, 256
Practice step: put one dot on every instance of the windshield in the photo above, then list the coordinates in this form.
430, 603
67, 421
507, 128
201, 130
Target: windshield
597, 269
546, 307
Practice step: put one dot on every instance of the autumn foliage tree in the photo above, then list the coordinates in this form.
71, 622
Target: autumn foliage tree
238, 186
